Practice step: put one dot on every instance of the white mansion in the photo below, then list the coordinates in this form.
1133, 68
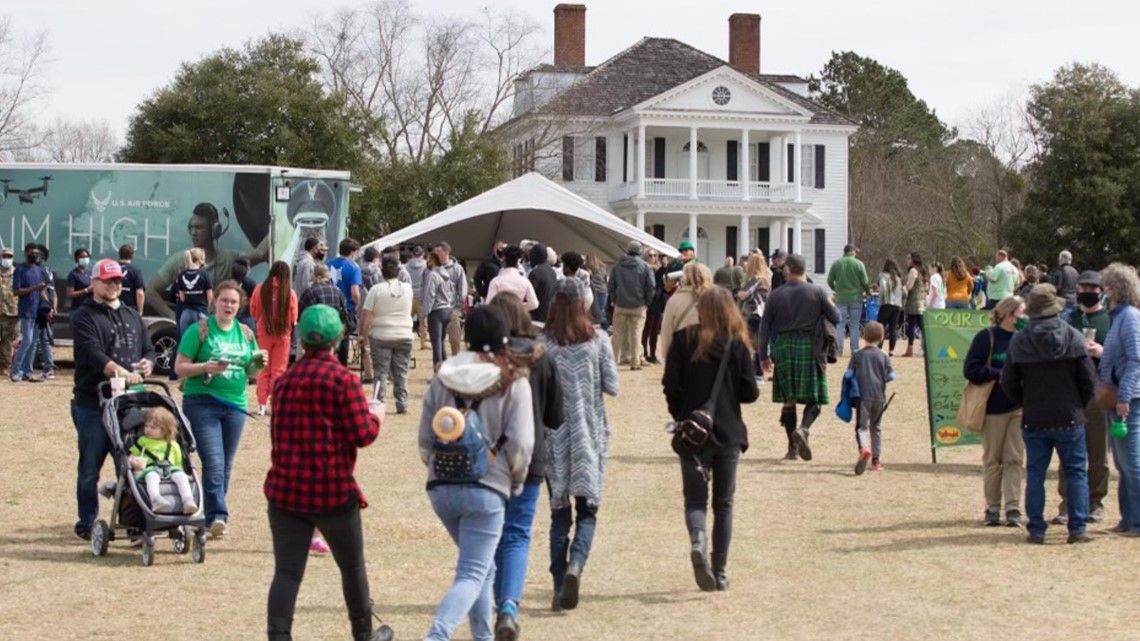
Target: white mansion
672, 139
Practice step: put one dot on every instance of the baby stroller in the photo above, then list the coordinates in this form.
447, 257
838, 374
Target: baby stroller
123, 419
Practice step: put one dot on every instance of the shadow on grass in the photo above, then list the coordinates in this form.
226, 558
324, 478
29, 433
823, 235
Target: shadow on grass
981, 537
949, 524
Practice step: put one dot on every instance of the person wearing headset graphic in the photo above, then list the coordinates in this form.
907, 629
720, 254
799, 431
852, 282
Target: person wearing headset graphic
205, 228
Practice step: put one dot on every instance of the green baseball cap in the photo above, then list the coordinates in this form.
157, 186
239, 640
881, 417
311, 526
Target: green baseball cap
320, 326
684, 246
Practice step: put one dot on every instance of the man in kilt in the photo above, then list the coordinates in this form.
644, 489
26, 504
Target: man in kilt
789, 327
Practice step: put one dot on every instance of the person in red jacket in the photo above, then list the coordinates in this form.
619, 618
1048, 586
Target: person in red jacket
320, 418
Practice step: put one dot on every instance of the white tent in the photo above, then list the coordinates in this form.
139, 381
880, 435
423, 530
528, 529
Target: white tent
528, 207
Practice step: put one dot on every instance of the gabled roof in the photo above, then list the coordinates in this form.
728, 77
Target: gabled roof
652, 67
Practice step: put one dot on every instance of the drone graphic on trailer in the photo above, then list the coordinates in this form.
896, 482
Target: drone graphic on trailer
26, 196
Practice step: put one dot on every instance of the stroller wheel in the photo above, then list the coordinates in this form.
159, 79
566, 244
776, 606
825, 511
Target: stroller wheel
100, 537
198, 549
180, 540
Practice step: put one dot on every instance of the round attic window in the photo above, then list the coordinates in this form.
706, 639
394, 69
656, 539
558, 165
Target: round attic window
721, 95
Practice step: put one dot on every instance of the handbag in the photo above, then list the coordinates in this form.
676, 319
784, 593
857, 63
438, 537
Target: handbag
1105, 395
972, 409
697, 427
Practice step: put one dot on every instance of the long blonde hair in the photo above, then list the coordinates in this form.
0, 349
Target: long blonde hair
758, 268
697, 276
194, 258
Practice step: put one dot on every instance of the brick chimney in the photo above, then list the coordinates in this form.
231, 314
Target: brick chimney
570, 35
744, 42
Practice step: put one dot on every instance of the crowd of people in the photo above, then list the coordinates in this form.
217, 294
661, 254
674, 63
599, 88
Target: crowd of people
524, 354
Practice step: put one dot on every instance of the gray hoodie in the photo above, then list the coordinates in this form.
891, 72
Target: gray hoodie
510, 415
631, 282
417, 268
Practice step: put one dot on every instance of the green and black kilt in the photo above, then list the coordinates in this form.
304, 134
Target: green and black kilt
797, 378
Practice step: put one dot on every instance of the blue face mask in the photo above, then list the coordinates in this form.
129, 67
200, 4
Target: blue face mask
83, 262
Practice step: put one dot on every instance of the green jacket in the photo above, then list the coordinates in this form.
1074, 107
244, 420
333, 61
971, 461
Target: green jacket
848, 279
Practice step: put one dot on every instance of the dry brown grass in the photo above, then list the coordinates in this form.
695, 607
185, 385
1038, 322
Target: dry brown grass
817, 553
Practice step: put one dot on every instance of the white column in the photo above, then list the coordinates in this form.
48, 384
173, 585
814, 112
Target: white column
640, 220
797, 233
641, 161
776, 236
630, 165
781, 172
743, 240
744, 172
692, 163
798, 170
693, 238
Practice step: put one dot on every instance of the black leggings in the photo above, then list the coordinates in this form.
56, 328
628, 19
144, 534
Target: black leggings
891, 317
913, 327
292, 533
721, 463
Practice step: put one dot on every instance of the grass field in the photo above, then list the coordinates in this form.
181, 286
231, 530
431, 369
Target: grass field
817, 552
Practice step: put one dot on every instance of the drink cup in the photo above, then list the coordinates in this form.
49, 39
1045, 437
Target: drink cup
1090, 333
118, 385
258, 360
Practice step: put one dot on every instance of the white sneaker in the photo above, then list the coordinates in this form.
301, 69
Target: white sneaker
188, 505
261, 410
161, 505
218, 529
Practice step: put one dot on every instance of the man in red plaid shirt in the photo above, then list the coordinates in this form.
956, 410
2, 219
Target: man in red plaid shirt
320, 418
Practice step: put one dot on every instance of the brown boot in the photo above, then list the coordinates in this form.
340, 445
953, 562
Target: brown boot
909, 351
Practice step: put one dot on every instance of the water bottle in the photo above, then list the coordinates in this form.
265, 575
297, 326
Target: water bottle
1119, 428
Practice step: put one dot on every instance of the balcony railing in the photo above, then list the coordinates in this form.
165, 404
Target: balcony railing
718, 190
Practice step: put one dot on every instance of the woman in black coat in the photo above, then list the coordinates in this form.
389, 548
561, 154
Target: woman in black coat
691, 368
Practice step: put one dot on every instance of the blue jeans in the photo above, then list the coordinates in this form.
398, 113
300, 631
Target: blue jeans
849, 316
26, 352
511, 557
1073, 452
957, 304
563, 551
187, 317
437, 322
601, 299
473, 516
43, 344
94, 446
1126, 455
217, 429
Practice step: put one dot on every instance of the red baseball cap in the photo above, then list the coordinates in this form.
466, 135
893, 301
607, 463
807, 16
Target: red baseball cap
107, 269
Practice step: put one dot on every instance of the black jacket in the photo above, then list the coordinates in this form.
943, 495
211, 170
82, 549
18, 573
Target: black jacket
688, 386
484, 273
546, 391
543, 279
101, 335
794, 308
1064, 278
1048, 371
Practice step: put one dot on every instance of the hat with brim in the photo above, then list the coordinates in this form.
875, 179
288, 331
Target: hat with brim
320, 326
107, 269
685, 246
1089, 278
1042, 302
7, 252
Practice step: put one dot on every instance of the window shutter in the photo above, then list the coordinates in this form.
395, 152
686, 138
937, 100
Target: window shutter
730, 240
625, 159
791, 234
763, 162
820, 249
819, 170
600, 159
658, 157
568, 158
763, 240
658, 231
791, 163
732, 171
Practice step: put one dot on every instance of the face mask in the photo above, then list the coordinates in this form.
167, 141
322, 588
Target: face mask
6, 263
83, 262
1088, 299
320, 256
240, 271
1021, 323
32, 258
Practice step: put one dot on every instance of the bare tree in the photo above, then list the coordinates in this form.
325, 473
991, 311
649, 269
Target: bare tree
419, 77
21, 66
1003, 132
85, 141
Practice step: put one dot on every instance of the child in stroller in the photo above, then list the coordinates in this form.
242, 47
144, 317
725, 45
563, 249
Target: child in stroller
156, 455
147, 427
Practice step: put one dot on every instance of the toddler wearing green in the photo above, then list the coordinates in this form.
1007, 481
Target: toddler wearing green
153, 450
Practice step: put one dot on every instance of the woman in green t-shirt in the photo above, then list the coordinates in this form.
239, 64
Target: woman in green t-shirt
215, 357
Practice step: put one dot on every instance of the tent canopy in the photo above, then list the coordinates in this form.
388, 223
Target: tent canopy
528, 207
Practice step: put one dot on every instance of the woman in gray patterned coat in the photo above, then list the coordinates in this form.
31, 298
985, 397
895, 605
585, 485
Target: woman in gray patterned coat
576, 453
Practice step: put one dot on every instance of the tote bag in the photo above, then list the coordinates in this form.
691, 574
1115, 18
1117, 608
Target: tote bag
972, 410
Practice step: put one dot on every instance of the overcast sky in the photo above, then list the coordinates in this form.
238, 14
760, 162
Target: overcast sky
959, 57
